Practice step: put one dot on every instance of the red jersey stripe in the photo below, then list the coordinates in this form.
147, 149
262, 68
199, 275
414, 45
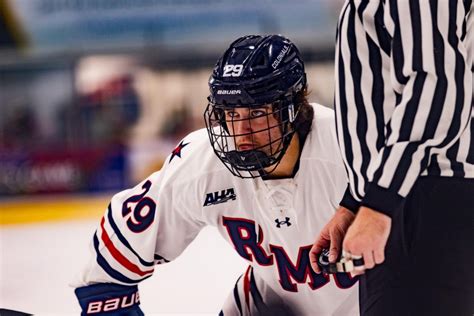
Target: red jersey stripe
118, 256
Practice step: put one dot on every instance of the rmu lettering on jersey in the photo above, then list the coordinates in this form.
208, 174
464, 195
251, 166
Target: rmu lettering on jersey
242, 234
219, 197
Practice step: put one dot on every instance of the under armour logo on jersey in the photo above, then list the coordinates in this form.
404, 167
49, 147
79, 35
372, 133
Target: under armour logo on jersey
177, 150
219, 197
286, 222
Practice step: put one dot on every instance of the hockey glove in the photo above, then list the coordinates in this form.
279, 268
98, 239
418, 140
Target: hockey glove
109, 299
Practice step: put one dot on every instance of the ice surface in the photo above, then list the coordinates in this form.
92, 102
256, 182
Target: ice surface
37, 262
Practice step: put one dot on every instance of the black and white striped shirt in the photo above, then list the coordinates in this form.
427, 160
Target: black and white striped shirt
403, 96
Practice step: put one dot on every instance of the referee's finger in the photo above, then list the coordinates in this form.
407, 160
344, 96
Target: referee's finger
346, 254
335, 246
379, 256
368, 256
313, 257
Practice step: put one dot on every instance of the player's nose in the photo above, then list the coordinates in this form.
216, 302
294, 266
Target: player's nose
242, 127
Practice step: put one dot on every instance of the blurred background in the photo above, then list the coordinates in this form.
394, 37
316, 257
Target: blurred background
94, 94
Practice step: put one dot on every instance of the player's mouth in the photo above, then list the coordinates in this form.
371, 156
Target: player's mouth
246, 146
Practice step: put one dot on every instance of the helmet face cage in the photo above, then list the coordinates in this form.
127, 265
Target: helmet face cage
273, 126
256, 74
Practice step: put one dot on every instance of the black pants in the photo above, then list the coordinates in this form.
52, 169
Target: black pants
429, 258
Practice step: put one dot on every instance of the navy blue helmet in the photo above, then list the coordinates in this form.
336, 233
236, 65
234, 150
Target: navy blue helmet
255, 72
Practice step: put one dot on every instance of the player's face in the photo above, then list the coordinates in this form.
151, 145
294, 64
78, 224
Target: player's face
254, 128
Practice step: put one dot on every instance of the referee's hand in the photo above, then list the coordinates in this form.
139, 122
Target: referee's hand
367, 237
331, 237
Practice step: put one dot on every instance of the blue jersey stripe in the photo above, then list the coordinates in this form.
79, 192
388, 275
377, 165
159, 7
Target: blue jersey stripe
257, 297
158, 257
236, 295
124, 240
109, 270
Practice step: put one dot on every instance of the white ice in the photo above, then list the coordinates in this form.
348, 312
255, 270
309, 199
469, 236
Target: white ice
37, 261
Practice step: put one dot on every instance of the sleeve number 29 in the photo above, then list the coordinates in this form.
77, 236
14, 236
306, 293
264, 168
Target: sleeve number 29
143, 212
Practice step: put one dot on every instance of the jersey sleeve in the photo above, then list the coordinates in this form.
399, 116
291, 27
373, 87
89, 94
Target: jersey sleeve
143, 226
432, 78
404, 87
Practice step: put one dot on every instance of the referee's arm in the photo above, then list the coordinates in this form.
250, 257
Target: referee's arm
433, 81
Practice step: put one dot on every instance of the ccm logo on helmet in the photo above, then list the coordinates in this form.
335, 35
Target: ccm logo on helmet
113, 304
229, 92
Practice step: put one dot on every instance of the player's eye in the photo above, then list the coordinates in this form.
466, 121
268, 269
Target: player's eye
231, 114
257, 113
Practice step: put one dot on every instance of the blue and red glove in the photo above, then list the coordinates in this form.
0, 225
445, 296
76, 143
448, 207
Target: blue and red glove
109, 299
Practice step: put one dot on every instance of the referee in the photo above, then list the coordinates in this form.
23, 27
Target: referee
404, 71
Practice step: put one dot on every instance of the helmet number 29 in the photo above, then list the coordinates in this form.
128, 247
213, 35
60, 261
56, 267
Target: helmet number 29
232, 70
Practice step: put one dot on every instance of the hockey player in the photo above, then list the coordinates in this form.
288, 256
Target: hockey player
287, 179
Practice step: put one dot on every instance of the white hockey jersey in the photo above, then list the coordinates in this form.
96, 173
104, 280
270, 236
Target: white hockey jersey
270, 223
